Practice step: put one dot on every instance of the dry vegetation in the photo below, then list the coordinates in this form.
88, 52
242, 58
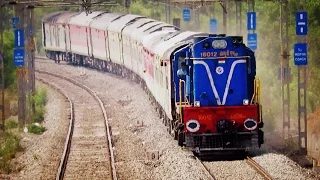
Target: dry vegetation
314, 122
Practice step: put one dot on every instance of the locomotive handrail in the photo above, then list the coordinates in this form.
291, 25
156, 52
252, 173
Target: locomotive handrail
259, 99
180, 97
214, 58
256, 98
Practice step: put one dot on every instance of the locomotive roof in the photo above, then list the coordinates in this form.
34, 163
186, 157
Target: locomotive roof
83, 19
103, 20
171, 40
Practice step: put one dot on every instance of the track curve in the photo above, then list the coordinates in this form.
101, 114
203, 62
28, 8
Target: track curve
66, 153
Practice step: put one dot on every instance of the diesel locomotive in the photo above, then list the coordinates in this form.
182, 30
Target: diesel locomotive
204, 86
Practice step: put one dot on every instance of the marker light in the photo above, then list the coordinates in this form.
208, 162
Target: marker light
197, 103
250, 124
245, 102
219, 44
206, 45
193, 125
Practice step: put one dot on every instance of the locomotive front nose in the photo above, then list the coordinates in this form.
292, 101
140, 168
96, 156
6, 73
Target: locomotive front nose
224, 126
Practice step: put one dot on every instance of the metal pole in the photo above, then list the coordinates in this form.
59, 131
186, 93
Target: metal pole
31, 66
165, 10
169, 11
302, 88
2, 69
250, 5
224, 11
238, 17
196, 19
80, 6
33, 48
229, 17
26, 70
21, 102
285, 69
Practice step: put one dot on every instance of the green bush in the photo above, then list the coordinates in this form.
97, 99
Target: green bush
9, 145
11, 124
32, 128
39, 99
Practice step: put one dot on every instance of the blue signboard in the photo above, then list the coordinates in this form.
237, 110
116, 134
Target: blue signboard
19, 38
213, 26
301, 23
15, 21
18, 57
186, 15
251, 21
300, 54
252, 41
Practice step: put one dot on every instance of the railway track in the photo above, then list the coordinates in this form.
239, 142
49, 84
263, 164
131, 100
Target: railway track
210, 172
207, 169
88, 153
211, 169
258, 168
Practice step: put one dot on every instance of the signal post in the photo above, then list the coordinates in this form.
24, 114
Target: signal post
19, 61
301, 60
2, 68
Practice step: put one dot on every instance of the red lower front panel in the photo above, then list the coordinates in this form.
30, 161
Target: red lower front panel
208, 117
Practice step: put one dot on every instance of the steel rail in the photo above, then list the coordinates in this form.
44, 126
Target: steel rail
113, 169
206, 168
66, 151
258, 168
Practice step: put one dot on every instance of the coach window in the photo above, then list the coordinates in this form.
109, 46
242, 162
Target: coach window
182, 68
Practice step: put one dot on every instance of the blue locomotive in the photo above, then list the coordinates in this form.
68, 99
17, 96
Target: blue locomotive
203, 86
219, 103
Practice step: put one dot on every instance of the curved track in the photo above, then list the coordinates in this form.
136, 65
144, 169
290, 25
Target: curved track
66, 150
211, 171
88, 153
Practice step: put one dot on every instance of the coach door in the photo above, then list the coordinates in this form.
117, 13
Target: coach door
180, 81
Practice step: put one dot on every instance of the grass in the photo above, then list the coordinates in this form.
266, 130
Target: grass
11, 124
9, 146
10, 142
40, 99
32, 128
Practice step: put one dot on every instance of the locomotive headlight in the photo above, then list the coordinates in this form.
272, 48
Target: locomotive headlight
206, 45
246, 102
250, 124
219, 44
193, 125
197, 103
